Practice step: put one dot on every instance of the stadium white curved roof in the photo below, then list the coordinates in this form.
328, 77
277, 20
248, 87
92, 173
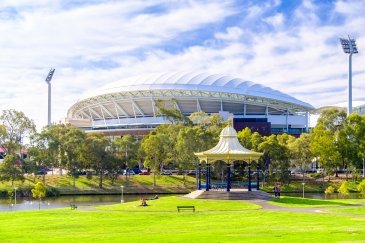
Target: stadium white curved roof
196, 81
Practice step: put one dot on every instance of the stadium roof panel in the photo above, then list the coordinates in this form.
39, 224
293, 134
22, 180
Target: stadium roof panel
195, 81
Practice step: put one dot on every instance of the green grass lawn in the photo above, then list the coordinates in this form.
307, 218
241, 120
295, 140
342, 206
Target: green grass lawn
168, 204
214, 221
349, 210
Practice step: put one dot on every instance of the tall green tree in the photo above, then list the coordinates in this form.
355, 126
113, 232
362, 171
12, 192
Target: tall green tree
170, 109
38, 157
300, 151
245, 137
351, 141
11, 169
72, 142
155, 149
17, 126
191, 140
125, 149
95, 153
324, 148
52, 137
278, 155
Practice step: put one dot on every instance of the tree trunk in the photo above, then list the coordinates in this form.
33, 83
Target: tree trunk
154, 180
101, 179
222, 175
39, 204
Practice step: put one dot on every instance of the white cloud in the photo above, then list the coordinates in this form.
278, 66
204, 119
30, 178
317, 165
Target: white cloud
300, 55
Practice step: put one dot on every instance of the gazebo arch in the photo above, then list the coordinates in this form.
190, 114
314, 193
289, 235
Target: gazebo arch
228, 150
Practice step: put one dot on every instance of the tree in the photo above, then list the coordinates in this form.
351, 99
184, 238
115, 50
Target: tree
323, 147
125, 149
51, 137
191, 140
200, 118
245, 137
332, 119
17, 126
95, 153
351, 140
256, 139
39, 191
300, 151
278, 154
10, 169
38, 157
169, 108
72, 142
155, 150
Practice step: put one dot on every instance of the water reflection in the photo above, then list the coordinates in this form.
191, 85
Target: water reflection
65, 201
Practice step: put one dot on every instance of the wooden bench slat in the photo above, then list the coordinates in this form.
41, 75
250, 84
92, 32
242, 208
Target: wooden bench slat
186, 208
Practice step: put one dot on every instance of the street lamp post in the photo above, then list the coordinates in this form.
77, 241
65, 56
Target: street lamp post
303, 183
122, 199
15, 188
349, 47
48, 81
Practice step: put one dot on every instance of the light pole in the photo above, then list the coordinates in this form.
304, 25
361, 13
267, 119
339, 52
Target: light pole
303, 183
349, 47
48, 81
122, 199
15, 188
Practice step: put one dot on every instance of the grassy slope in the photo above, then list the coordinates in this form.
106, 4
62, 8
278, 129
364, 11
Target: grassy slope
133, 184
115, 224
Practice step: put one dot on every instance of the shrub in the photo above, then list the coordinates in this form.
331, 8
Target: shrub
89, 176
330, 190
344, 188
315, 175
361, 187
52, 192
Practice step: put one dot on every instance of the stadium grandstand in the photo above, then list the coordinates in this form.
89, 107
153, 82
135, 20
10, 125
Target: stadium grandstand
129, 106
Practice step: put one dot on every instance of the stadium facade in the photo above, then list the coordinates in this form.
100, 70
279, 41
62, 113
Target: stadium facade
128, 106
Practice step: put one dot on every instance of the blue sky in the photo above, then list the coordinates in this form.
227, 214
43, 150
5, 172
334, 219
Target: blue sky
292, 46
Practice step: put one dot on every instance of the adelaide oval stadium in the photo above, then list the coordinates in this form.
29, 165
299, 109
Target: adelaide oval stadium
128, 106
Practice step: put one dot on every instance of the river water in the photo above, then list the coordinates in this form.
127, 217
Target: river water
65, 201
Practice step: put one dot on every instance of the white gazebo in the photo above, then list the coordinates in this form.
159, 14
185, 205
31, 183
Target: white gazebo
228, 150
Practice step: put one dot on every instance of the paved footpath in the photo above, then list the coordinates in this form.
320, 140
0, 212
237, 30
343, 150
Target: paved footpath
268, 206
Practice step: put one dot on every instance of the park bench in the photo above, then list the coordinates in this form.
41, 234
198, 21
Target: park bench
186, 208
73, 206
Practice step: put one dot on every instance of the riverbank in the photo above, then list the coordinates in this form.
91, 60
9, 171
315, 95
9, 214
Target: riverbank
138, 184
143, 184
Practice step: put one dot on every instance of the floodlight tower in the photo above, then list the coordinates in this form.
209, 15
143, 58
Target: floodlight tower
48, 81
349, 47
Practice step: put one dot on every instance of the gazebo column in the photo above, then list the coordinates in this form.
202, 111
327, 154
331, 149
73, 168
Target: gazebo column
228, 177
258, 177
249, 177
199, 176
207, 172
209, 176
